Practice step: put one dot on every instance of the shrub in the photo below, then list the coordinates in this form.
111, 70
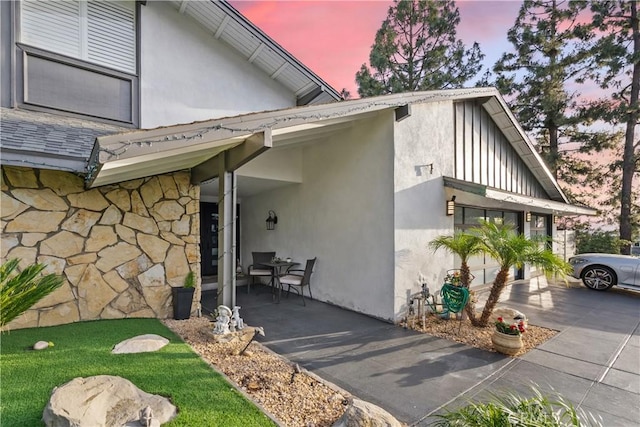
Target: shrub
597, 241
190, 280
514, 410
19, 291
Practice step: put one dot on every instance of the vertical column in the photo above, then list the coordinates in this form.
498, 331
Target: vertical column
226, 273
234, 236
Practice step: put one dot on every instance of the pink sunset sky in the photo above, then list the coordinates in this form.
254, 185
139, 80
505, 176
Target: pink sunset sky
334, 38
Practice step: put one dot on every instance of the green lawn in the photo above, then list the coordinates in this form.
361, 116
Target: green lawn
83, 349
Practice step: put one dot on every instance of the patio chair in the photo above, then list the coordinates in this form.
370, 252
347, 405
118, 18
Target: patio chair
299, 279
257, 270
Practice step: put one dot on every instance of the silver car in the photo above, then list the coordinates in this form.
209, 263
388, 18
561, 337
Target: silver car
602, 271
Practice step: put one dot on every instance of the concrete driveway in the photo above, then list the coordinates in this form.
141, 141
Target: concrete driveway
594, 362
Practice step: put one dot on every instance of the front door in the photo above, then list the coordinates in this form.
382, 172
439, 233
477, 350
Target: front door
209, 237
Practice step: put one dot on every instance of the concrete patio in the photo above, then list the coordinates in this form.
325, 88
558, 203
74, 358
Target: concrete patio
594, 362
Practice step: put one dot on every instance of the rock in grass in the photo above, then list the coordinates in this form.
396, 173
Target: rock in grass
103, 401
140, 344
41, 345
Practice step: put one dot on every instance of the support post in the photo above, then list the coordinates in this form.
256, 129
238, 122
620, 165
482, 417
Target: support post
226, 263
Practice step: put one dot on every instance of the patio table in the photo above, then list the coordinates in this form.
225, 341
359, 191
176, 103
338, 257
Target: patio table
276, 271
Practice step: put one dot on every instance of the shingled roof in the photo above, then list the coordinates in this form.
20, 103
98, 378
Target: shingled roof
49, 141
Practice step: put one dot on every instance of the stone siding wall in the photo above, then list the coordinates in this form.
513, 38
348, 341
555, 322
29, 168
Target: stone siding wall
120, 247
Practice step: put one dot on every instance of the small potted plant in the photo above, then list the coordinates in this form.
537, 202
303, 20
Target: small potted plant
183, 297
507, 338
452, 278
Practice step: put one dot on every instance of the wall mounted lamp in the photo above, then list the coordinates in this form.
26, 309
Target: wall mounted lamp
451, 206
272, 220
527, 216
419, 169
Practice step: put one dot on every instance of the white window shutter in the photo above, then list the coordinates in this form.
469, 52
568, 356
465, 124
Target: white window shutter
111, 34
52, 25
102, 32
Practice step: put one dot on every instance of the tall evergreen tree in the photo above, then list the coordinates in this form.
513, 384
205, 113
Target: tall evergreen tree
551, 52
416, 49
618, 55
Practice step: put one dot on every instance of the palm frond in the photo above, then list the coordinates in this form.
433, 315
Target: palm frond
462, 244
515, 410
20, 291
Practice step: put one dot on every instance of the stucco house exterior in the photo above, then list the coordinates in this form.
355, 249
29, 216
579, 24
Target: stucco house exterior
75, 70
125, 204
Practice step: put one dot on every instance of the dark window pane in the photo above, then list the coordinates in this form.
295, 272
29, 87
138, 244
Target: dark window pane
473, 216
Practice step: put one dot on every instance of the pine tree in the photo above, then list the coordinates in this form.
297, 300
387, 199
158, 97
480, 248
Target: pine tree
551, 52
416, 49
618, 57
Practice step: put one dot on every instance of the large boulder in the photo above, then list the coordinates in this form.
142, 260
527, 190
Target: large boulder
103, 401
140, 344
365, 414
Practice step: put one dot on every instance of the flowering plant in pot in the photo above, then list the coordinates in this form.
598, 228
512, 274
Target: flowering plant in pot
453, 278
507, 338
510, 329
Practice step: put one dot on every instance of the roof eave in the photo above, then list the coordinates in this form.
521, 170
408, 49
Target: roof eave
318, 83
518, 201
41, 160
496, 107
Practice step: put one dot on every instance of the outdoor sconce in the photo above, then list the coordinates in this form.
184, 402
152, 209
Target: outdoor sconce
272, 220
527, 216
451, 206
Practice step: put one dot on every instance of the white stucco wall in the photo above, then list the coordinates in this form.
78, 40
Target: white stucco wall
424, 138
188, 75
342, 213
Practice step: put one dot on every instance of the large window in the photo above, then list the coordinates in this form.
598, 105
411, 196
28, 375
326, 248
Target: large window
100, 32
539, 228
78, 57
483, 267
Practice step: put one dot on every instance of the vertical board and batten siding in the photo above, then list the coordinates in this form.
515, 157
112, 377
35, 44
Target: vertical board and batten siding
483, 155
103, 33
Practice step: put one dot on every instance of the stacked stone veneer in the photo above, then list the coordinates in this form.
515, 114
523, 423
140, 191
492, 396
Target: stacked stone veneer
119, 247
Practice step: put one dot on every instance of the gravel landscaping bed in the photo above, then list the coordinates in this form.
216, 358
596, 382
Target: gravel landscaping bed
297, 398
474, 336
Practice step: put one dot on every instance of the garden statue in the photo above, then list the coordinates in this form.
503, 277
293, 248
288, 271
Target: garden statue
146, 417
222, 320
236, 317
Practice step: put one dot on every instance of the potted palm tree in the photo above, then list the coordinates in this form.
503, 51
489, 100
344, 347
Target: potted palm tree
183, 297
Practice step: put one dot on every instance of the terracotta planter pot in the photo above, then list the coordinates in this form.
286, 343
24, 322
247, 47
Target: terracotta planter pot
506, 344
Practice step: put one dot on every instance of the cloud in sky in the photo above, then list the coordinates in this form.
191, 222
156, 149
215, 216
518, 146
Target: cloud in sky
334, 38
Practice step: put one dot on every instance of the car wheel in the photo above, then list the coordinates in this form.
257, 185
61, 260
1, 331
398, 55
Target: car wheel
598, 278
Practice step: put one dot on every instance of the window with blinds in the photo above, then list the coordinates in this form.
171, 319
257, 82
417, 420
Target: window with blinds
101, 32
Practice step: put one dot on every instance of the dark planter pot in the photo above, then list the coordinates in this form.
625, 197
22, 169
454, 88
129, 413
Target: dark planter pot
182, 299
